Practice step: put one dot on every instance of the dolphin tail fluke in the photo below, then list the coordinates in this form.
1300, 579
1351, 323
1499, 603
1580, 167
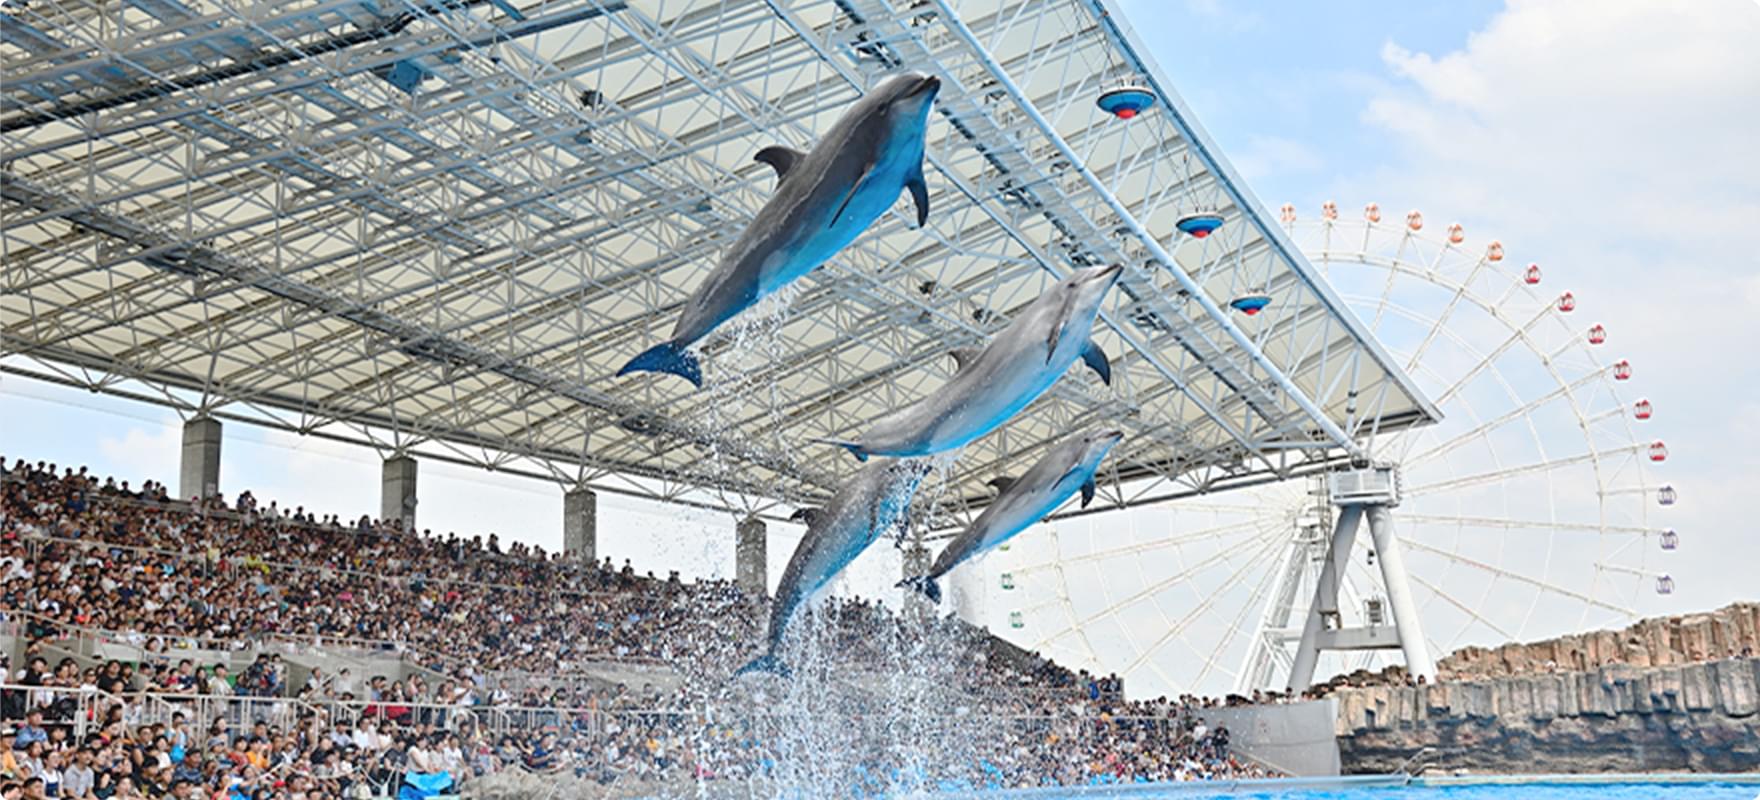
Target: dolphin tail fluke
854, 448
667, 357
923, 585
767, 662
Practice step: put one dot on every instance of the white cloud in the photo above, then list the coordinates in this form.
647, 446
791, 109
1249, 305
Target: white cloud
142, 453
1614, 142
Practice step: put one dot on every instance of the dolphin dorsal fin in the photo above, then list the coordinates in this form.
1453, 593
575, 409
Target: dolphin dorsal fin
964, 356
780, 158
1002, 482
807, 516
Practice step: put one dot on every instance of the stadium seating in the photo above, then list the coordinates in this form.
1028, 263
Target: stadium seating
242, 649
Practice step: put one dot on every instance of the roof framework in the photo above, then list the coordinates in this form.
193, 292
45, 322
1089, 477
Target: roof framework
440, 226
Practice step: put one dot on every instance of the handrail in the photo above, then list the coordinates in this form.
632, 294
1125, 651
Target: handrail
392, 646
377, 708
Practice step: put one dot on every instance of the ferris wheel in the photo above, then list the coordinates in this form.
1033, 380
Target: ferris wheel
1533, 509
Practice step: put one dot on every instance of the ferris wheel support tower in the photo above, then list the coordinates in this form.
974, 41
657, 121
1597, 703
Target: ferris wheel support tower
1371, 492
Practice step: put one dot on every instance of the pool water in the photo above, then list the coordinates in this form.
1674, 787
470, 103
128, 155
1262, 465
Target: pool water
1531, 791
1487, 788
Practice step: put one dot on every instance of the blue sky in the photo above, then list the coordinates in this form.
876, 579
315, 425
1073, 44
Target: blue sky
1611, 141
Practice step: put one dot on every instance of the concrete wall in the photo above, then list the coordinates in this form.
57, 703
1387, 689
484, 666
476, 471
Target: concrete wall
1296, 738
1697, 717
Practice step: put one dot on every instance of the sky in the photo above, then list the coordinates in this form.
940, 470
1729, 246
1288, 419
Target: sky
1611, 141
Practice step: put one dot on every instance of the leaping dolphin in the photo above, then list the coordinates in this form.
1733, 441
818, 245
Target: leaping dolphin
875, 500
824, 200
995, 384
1070, 466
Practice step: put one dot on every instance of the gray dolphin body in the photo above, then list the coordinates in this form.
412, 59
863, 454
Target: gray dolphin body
996, 383
1068, 468
825, 199
876, 499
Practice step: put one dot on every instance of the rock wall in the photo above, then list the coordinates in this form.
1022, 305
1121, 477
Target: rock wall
1732, 631
1698, 717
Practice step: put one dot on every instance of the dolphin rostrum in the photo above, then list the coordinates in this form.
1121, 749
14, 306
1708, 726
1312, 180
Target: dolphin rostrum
1069, 467
824, 199
1013, 370
876, 499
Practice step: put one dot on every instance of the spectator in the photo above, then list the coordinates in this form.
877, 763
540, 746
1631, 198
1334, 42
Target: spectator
161, 576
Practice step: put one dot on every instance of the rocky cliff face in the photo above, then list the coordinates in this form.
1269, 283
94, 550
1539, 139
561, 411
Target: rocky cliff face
1699, 717
1730, 631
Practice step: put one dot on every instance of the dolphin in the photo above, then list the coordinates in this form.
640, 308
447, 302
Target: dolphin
876, 499
824, 199
992, 385
1069, 467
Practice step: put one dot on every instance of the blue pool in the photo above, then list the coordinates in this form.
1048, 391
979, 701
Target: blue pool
1737, 787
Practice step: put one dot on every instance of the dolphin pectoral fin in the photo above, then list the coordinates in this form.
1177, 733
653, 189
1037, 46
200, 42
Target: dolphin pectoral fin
854, 189
843, 205
854, 448
668, 357
807, 516
964, 356
1088, 490
782, 159
1051, 342
919, 195
924, 585
1002, 482
1057, 327
1094, 357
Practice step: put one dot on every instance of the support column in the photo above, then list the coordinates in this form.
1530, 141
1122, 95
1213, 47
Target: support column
1325, 605
580, 525
1399, 594
397, 491
198, 473
749, 556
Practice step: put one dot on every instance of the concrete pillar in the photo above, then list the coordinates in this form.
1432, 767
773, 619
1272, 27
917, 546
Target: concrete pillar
749, 557
198, 473
397, 491
580, 525
1344, 536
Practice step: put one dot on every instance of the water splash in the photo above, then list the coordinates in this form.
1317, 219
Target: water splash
741, 386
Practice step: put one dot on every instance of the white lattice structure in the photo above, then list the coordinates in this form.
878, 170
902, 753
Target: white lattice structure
439, 226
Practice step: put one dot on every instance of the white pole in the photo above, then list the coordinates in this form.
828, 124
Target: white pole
1344, 535
1399, 594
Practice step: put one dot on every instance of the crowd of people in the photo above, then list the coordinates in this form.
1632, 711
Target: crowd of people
497, 637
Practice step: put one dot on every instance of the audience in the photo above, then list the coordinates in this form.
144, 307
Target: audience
497, 635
